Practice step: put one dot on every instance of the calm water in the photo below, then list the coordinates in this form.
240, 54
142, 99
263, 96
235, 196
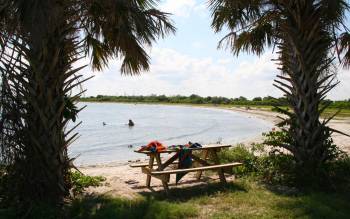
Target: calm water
167, 124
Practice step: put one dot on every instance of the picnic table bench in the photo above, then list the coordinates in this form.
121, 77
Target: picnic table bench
208, 161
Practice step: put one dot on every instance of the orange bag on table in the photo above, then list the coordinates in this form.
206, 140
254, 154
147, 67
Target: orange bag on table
153, 146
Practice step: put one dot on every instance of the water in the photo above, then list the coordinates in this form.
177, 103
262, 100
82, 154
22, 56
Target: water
168, 124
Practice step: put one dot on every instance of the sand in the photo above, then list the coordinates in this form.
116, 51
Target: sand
127, 182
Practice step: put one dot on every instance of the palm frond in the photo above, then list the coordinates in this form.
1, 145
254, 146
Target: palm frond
122, 29
344, 49
234, 14
251, 26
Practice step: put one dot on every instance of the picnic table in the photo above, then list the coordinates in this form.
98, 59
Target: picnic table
206, 159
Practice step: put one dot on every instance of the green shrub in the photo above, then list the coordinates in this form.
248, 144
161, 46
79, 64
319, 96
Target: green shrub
241, 154
277, 168
282, 168
80, 182
271, 167
336, 174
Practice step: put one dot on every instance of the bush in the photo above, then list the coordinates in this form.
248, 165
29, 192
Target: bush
331, 174
239, 154
80, 182
336, 175
275, 167
271, 167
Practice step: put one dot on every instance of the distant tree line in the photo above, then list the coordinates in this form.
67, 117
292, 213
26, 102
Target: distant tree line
196, 99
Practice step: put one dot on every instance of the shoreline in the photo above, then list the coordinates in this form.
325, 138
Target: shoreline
127, 182
341, 124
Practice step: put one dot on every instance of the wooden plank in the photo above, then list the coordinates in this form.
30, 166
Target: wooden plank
150, 166
164, 177
217, 162
200, 160
146, 164
212, 167
160, 168
205, 147
199, 173
170, 161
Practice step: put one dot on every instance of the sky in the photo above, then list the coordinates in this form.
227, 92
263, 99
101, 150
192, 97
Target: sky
190, 63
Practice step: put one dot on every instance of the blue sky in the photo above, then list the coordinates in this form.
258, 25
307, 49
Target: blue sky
190, 63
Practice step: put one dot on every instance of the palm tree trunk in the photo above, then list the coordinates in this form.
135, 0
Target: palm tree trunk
47, 51
46, 154
304, 48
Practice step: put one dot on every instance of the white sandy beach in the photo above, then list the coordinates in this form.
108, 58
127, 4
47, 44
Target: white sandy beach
127, 182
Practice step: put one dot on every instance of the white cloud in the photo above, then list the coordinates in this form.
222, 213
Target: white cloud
175, 73
181, 8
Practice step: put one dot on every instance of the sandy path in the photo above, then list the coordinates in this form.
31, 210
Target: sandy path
127, 182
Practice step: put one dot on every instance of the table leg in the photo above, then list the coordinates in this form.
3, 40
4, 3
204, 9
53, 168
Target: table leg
160, 168
150, 166
220, 171
199, 173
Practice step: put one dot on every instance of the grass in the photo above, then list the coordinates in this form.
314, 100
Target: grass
243, 199
145, 207
258, 201
342, 114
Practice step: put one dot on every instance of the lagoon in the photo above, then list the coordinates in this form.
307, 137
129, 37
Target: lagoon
169, 124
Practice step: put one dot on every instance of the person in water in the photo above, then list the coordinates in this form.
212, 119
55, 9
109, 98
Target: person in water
131, 123
103, 123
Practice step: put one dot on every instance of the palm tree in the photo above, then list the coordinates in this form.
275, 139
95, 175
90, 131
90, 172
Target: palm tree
42, 40
307, 37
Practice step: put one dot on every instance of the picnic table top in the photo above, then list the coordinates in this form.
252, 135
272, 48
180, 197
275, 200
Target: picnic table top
205, 147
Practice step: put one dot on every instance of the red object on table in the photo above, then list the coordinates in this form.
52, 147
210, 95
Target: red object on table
155, 146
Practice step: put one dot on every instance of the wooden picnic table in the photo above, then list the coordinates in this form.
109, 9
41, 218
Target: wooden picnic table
208, 160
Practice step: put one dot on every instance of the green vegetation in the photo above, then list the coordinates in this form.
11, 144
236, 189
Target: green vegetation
265, 103
80, 182
245, 198
196, 99
192, 99
242, 199
144, 207
276, 168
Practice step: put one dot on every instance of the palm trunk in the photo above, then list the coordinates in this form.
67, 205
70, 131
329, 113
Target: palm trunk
304, 50
45, 162
46, 154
